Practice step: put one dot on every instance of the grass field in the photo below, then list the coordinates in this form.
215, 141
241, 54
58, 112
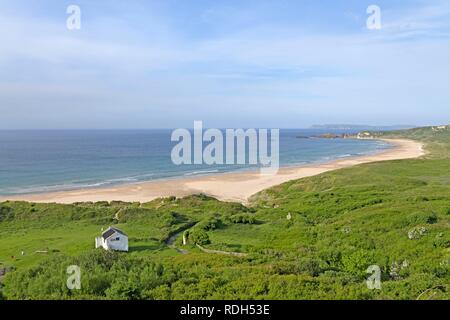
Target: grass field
395, 215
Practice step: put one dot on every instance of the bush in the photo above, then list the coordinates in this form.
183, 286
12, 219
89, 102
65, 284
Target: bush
310, 266
432, 218
170, 218
199, 237
419, 218
441, 241
6, 213
103, 275
102, 204
282, 268
331, 259
357, 263
243, 218
210, 224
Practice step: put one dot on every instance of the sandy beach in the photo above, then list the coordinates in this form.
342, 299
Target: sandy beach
237, 187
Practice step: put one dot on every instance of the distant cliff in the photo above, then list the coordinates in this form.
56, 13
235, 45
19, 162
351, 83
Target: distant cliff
352, 127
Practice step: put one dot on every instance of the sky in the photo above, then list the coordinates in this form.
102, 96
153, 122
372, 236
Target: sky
234, 63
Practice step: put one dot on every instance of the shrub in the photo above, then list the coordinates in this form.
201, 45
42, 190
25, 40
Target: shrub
170, 218
199, 237
283, 268
243, 218
309, 266
6, 213
102, 204
331, 259
420, 218
357, 263
210, 224
432, 218
441, 241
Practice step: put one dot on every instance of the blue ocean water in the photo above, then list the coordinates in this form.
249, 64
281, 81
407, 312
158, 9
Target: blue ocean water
54, 160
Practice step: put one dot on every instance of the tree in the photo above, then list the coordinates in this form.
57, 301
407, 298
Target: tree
199, 237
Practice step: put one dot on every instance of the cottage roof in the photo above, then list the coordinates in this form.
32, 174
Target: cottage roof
110, 231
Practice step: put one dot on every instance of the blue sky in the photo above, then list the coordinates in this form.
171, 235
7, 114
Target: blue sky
246, 63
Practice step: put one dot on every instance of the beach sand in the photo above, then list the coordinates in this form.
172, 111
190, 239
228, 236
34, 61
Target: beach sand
238, 187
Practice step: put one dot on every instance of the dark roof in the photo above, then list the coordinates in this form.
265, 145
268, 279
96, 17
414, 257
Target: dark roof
110, 231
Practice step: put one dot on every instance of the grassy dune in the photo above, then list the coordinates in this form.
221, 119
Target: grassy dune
394, 214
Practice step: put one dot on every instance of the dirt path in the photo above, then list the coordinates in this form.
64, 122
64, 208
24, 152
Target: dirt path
228, 253
170, 242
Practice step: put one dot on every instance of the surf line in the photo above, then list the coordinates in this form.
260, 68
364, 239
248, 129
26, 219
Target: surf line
240, 145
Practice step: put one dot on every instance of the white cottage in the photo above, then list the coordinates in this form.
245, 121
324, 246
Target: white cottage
112, 239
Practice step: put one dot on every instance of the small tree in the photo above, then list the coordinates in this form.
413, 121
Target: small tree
199, 237
357, 262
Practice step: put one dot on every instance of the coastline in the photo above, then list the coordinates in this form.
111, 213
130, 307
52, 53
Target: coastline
230, 186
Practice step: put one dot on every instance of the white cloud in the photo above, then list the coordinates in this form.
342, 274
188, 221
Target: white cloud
126, 75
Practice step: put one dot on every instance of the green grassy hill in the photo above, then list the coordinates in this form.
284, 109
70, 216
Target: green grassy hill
437, 139
395, 215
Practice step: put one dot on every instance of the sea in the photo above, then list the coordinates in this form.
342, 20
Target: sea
39, 161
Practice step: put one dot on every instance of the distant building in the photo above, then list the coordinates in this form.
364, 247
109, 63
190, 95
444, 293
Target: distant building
364, 135
112, 239
439, 128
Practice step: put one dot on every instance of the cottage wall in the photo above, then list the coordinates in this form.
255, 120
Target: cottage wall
120, 245
98, 242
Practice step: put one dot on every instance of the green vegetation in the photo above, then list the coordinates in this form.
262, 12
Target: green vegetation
437, 139
394, 214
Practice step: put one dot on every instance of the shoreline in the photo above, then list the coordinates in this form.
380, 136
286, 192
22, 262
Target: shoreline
229, 186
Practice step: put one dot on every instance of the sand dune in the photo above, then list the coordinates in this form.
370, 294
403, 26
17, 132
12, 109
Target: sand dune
227, 186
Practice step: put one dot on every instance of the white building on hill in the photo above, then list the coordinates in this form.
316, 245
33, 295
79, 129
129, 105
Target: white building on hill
440, 128
364, 135
112, 239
